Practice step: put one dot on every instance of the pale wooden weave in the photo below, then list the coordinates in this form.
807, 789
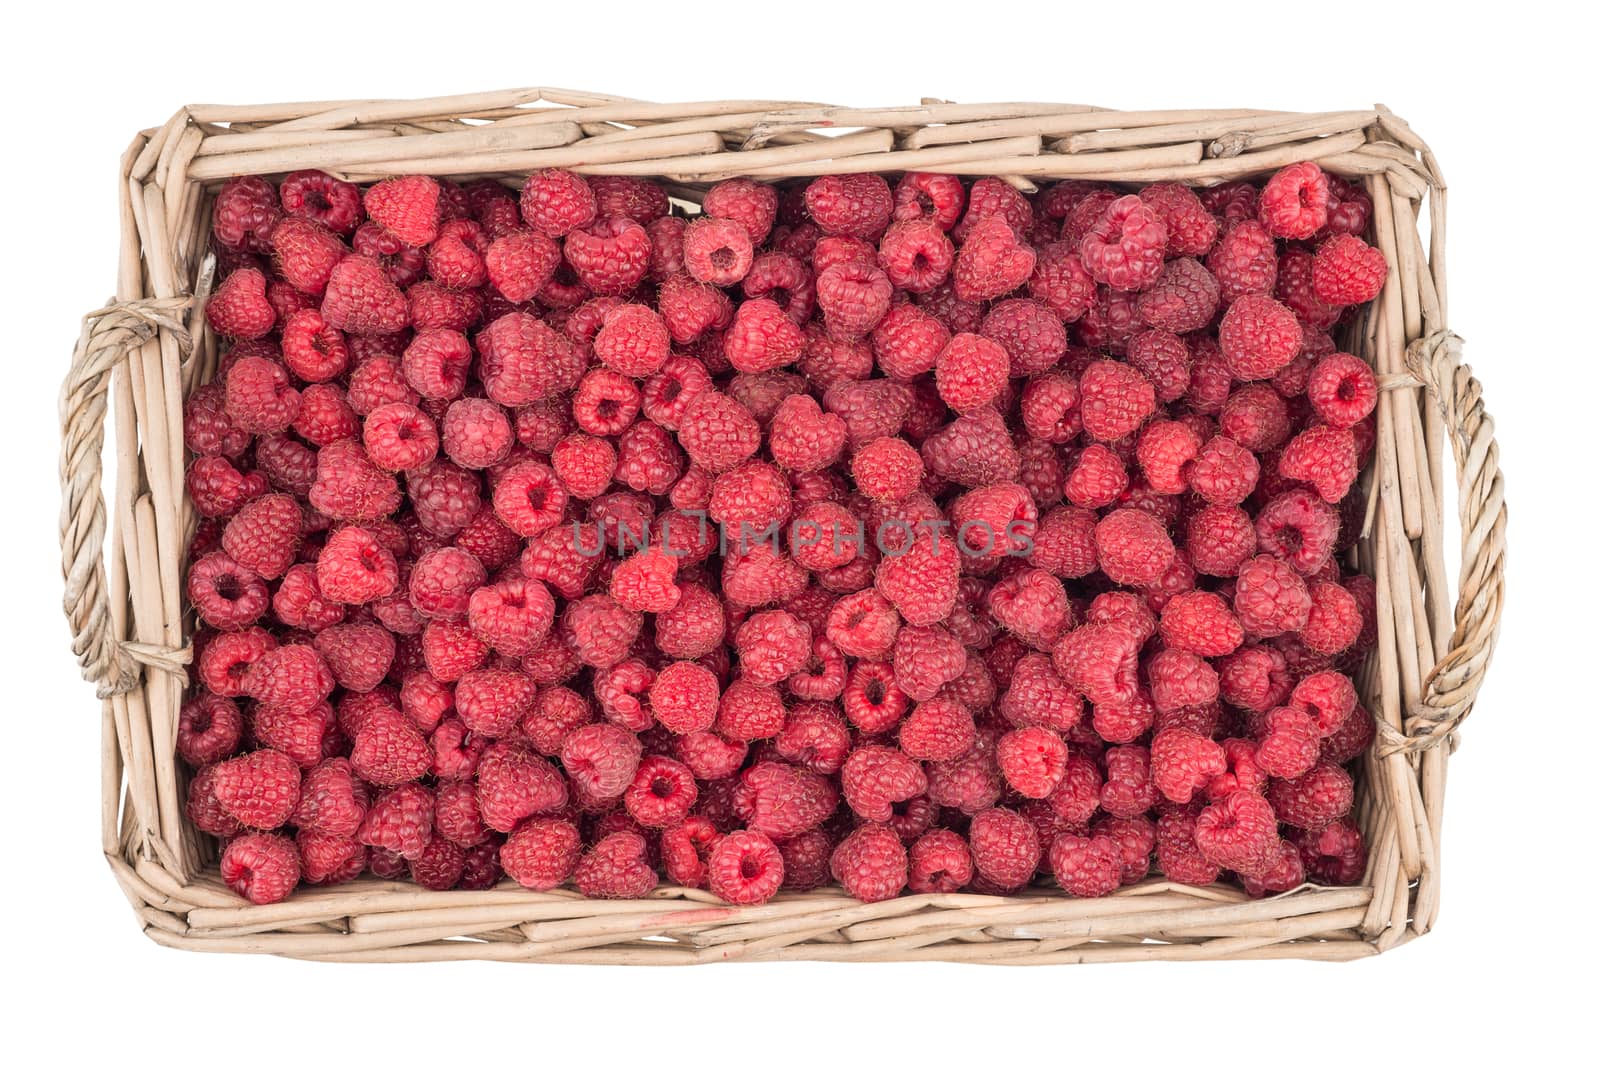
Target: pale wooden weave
141, 354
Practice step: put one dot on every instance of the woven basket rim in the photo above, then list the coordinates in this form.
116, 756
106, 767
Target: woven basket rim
143, 352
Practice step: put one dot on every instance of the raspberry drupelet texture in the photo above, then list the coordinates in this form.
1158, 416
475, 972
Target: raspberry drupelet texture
914, 535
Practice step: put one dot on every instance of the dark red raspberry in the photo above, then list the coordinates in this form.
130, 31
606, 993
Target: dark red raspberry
1245, 260
1125, 247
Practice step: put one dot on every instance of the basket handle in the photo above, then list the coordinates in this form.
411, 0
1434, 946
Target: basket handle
1451, 687
108, 335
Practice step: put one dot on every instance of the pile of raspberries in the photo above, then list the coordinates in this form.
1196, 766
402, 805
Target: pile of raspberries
914, 535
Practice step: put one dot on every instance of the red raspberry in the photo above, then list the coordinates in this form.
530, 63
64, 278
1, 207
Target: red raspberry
1032, 336
359, 654
925, 658
238, 307
853, 205
389, 750
646, 581
940, 862
751, 203
718, 432
1061, 282
633, 341
887, 469
749, 712
556, 202
992, 197
1114, 399
971, 372
745, 867
784, 802
1191, 229
1295, 292
1101, 661
1323, 456
1163, 358
1256, 417
916, 255
615, 868
1348, 271
435, 364
610, 256
1096, 479
629, 197
260, 789
853, 297
1259, 337
991, 262
1005, 847
939, 197
684, 697
1183, 298
207, 430
407, 208
1128, 790
1033, 760
1223, 472
400, 821
1124, 248
1298, 528
400, 437
661, 793
922, 581
1202, 623
938, 729
875, 778
322, 198
1270, 598
262, 868
601, 630
450, 649
204, 810
1176, 851
772, 645
258, 396
524, 360
442, 582
870, 864
1239, 832
493, 702
1033, 605
1294, 203
293, 678
601, 759
555, 714
1087, 866
521, 263
244, 214
1180, 679
1133, 547
1317, 798
209, 728
514, 782
1038, 696
1334, 621
354, 568
360, 299
1289, 743
1244, 261
1334, 855
331, 801
685, 849
1182, 762
262, 539
1165, 450
1342, 389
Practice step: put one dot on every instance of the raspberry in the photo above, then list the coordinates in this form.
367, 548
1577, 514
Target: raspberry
1202, 623
684, 697
292, 678
1239, 832
245, 213
718, 432
938, 729
1061, 282
1038, 696
1342, 389
922, 581
601, 759
359, 654
1294, 290
662, 792
388, 750
610, 256
238, 307
646, 581
258, 396
1164, 451
971, 372
1298, 528
523, 360
400, 821
1294, 203
400, 437
209, 729
1182, 762
875, 778
260, 789
870, 864
520, 263
1133, 547
1086, 866
870, 409
1334, 621
1005, 847
1176, 851
940, 862
1317, 798
992, 197
1100, 661
1114, 399
916, 255
938, 197
1270, 598
772, 645
853, 297
360, 299
1323, 456
745, 867
450, 649
751, 203
1097, 478
435, 364
1259, 336
1256, 417
1289, 743
1033, 605
407, 208
555, 714
685, 849
354, 568
749, 500
925, 658
1244, 261
1334, 855
887, 469
556, 202
445, 498
1124, 248
853, 205
1033, 760
615, 868
1223, 472
1191, 229
262, 868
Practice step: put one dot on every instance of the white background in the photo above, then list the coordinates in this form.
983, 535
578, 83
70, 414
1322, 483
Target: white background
1501, 973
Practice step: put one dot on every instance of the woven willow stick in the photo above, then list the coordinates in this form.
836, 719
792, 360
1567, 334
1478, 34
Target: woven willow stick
152, 347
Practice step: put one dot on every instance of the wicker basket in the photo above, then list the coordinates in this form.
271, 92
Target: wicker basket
141, 353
